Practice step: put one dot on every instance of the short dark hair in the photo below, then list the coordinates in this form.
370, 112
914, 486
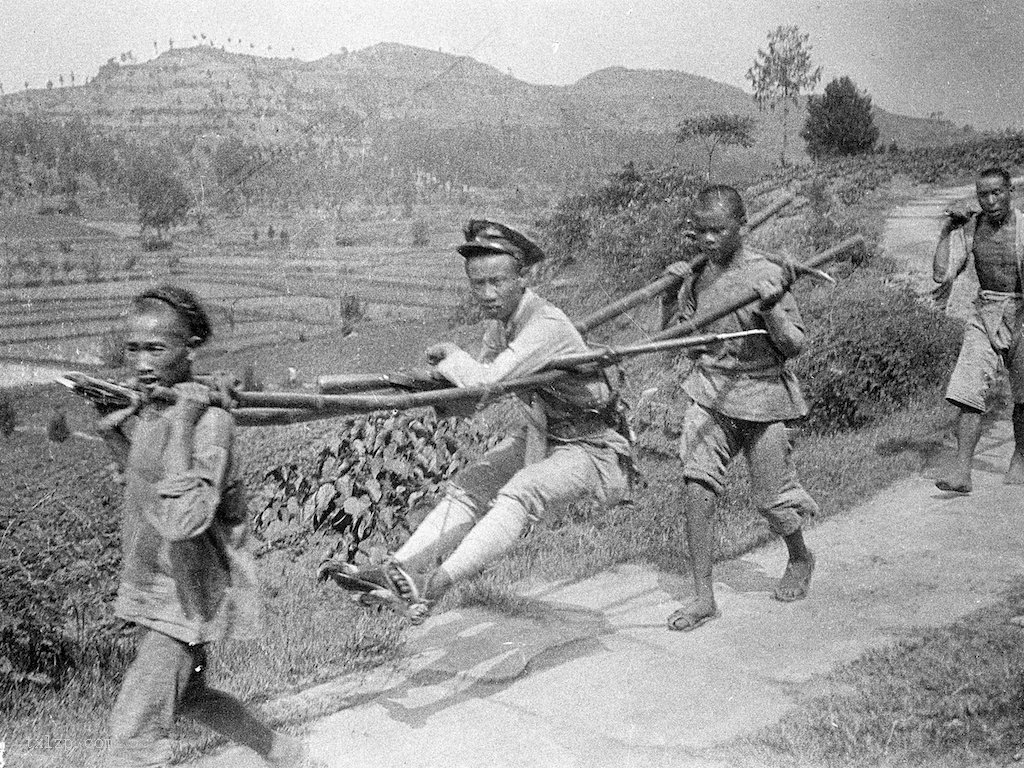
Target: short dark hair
724, 195
996, 170
184, 303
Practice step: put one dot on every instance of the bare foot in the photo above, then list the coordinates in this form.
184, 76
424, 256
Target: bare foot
796, 581
955, 481
1015, 474
696, 613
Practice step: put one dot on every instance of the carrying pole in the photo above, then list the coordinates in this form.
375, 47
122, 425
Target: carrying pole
668, 281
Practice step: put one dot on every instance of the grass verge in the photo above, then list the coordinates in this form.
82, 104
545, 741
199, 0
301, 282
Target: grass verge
945, 697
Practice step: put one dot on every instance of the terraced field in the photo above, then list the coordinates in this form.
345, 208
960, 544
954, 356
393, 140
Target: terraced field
259, 297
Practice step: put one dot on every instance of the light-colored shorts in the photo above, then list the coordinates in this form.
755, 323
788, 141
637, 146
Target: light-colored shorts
991, 335
711, 440
570, 471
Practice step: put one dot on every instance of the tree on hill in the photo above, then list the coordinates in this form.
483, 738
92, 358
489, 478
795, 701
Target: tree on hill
783, 72
163, 202
839, 122
718, 130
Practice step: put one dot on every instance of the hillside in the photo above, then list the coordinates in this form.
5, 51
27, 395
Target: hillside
389, 122
211, 89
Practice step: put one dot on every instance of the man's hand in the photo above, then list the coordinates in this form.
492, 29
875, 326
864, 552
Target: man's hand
957, 215
438, 352
771, 291
192, 401
680, 269
111, 420
225, 383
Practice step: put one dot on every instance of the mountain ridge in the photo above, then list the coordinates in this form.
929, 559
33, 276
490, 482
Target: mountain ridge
396, 81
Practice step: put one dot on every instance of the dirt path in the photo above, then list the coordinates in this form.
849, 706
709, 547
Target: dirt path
592, 678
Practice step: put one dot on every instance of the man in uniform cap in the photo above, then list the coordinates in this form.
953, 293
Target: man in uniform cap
572, 447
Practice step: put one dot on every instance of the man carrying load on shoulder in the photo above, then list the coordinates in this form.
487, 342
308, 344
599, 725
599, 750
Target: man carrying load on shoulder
992, 333
742, 394
575, 443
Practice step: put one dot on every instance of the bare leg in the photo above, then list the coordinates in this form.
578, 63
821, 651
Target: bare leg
1015, 474
968, 432
700, 506
796, 581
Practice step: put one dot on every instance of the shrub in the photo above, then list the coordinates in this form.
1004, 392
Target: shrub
8, 415
59, 566
112, 347
156, 244
872, 347
570, 229
250, 380
367, 479
93, 266
420, 233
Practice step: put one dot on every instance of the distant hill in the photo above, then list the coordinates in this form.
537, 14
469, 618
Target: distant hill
390, 81
423, 110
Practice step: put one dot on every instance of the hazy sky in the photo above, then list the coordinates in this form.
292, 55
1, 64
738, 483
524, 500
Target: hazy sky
960, 57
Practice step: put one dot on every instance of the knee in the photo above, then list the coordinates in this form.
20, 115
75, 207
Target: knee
700, 493
789, 511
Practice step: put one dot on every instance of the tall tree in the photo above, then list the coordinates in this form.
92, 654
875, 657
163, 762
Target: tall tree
782, 73
718, 130
839, 122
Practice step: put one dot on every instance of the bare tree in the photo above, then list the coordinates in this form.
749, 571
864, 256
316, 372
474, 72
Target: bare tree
782, 73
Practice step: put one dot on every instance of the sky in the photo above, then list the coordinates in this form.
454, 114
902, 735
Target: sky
918, 57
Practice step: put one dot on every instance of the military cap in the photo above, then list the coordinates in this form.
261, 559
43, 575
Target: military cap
486, 238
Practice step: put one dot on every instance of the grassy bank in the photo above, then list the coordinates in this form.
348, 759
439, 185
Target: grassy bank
944, 697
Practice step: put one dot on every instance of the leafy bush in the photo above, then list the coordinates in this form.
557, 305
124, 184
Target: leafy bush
8, 415
420, 233
366, 480
112, 347
58, 562
93, 266
872, 347
569, 229
155, 244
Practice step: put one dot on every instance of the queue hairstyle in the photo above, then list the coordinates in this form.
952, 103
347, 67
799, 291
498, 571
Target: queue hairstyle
996, 170
184, 303
725, 196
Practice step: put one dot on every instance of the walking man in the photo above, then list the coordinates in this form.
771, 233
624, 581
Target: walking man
992, 333
742, 394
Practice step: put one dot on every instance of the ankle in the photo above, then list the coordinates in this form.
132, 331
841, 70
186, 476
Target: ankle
435, 584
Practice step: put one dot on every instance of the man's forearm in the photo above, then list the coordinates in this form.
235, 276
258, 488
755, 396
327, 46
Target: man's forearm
118, 444
178, 454
940, 261
784, 333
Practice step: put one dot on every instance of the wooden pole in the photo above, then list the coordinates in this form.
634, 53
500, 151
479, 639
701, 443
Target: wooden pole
743, 298
667, 281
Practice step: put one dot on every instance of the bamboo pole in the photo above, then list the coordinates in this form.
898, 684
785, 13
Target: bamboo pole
668, 281
743, 298
256, 405
425, 380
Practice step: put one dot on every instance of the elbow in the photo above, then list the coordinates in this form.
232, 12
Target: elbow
792, 345
183, 516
